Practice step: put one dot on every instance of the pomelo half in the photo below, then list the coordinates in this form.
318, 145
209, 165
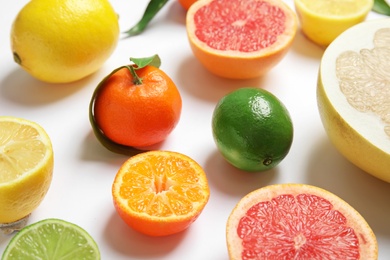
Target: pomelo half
297, 221
353, 95
240, 39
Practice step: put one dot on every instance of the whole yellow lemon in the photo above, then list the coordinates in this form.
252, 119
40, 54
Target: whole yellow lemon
61, 41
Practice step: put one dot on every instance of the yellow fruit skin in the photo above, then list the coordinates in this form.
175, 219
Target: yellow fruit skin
22, 196
350, 143
61, 41
323, 30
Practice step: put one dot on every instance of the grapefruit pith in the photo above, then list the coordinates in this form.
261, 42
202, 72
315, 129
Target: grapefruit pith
297, 221
240, 39
353, 96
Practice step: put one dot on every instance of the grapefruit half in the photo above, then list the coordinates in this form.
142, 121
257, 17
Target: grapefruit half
297, 221
353, 95
240, 39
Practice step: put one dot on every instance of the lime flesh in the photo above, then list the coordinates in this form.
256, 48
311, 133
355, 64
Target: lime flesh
52, 239
252, 129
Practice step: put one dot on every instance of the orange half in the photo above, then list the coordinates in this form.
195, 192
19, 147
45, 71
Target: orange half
160, 193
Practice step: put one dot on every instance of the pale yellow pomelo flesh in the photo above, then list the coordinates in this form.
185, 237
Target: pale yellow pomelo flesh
26, 167
354, 96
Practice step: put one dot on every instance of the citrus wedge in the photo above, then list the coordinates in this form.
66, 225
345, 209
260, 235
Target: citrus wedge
51, 239
323, 20
353, 95
160, 193
297, 221
240, 39
26, 166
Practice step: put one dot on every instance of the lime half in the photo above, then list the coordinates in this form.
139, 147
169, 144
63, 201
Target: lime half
52, 239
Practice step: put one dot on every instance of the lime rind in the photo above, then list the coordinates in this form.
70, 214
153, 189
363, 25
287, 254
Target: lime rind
52, 239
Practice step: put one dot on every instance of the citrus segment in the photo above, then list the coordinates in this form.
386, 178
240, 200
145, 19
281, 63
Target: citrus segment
240, 39
323, 20
26, 166
52, 239
62, 41
252, 129
160, 193
296, 221
353, 96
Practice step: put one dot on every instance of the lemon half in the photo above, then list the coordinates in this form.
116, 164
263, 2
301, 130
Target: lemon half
26, 167
323, 20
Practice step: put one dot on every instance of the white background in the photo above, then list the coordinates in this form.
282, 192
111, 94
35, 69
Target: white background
81, 188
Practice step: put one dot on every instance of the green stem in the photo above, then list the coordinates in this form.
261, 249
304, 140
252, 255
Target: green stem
136, 80
151, 10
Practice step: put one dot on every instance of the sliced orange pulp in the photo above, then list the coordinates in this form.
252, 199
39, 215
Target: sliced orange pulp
160, 193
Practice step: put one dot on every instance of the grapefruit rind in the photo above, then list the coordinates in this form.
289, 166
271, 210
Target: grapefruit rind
367, 240
236, 64
359, 136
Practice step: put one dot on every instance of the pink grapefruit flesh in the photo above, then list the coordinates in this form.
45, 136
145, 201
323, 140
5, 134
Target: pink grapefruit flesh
296, 221
240, 38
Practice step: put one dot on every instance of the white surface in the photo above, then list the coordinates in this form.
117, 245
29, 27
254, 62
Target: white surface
84, 170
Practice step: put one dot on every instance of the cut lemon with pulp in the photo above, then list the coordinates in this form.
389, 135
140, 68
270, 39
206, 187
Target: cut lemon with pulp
26, 166
353, 96
297, 221
323, 20
51, 239
160, 193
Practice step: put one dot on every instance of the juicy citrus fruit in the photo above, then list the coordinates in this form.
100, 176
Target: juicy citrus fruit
61, 41
240, 39
26, 166
52, 239
160, 193
297, 221
353, 96
252, 129
137, 114
323, 20
186, 3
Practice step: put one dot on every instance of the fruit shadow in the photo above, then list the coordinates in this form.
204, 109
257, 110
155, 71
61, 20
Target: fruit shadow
21, 88
231, 181
135, 245
330, 170
193, 78
304, 47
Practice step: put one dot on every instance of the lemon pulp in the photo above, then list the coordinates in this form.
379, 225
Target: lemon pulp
26, 166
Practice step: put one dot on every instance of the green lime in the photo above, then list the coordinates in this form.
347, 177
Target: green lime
52, 239
252, 129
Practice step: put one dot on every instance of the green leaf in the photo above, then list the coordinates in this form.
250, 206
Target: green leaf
381, 7
104, 140
151, 10
154, 61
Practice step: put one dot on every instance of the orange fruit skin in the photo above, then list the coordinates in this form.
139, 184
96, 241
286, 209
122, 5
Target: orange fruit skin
186, 4
237, 65
151, 226
135, 181
138, 115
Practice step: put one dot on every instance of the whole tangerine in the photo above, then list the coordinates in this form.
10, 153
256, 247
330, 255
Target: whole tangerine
137, 106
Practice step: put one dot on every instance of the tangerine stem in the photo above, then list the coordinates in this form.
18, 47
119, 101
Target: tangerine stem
136, 80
